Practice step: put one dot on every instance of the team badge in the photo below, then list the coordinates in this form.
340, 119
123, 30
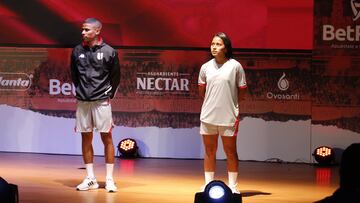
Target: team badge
100, 56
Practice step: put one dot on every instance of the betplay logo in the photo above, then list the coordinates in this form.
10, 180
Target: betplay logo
350, 33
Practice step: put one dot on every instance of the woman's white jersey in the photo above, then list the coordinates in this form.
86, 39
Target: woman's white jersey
222, 82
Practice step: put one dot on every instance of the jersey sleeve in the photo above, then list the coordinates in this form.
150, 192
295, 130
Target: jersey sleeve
241, 79
202, 76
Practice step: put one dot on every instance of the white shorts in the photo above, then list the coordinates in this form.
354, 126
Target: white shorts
209, 129
94, 114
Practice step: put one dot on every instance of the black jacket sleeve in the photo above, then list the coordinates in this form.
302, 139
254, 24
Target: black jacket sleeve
115, 74
73, 71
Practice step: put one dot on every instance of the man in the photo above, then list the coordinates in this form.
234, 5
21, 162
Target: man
95, 72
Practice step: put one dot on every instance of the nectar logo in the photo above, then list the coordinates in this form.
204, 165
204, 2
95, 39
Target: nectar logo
15, 81
355, 7
283, 83
158, 83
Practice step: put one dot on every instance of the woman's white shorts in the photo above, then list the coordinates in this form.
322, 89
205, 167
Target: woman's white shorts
209, 129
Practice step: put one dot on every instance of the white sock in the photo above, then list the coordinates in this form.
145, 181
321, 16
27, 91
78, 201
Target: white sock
232, 178
109, 171
90, 170
209, 176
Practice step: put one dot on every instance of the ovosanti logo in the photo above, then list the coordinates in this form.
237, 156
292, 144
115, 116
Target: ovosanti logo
15, 81
283, 83
355, 7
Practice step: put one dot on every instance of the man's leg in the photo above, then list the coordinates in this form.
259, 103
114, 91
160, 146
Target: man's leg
88, 157
109, 159
87, 148
108, 147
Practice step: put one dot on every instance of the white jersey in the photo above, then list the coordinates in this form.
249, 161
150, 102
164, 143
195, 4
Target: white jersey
220, 105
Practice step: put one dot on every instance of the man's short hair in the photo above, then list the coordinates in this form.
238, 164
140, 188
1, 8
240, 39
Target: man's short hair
94, 21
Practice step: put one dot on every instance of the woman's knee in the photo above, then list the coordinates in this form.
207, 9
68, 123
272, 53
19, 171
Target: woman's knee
210, 150
230, 152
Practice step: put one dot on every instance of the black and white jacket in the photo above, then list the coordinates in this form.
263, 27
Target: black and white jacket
95, 71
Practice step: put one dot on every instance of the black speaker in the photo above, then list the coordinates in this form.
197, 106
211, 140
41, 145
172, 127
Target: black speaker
8, 192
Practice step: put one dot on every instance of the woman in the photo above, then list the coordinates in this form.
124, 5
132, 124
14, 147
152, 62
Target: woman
222, 85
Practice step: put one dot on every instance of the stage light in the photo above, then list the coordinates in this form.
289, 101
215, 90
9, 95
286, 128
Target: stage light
217, 192
323, 155
128, 148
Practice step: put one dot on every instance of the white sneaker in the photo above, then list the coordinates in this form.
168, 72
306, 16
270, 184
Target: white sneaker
234, 189
110, 185
88, 184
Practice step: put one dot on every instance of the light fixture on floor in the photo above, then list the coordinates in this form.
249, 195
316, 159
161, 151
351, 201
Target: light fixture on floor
128, 148
217, 192
324, 155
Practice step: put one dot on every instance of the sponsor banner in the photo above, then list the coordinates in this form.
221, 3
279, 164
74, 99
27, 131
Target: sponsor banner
336, 27
160, 85
336, 64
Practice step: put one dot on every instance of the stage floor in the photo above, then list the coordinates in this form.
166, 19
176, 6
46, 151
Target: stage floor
52, 178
